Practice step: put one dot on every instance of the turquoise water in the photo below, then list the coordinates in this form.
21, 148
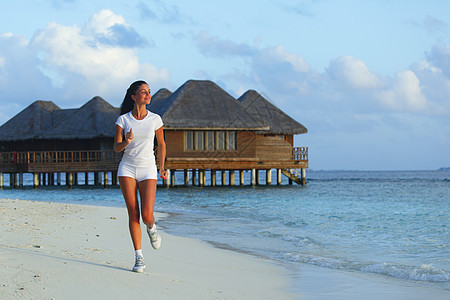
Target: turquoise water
393, 224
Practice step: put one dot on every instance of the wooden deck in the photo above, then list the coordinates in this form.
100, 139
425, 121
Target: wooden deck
107, 161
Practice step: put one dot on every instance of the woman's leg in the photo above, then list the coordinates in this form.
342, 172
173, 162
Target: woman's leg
128, 186
147, 192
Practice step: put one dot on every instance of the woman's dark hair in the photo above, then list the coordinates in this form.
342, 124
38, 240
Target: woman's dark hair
128, 103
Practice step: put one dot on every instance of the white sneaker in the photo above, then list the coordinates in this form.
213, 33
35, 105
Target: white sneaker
139, 264
155, 238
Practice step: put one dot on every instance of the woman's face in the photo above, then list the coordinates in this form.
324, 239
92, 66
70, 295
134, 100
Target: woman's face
142, 96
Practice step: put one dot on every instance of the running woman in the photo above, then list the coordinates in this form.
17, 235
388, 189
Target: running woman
136, 128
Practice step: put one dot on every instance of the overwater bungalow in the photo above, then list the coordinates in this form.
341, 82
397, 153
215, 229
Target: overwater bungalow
206, 131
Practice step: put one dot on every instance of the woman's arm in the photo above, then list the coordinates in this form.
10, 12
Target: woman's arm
120, 143
161, 152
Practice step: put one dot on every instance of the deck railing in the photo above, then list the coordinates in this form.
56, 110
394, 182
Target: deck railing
48, 157
300, 153
46, 161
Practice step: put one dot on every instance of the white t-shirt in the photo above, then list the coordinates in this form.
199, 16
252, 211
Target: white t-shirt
140, 151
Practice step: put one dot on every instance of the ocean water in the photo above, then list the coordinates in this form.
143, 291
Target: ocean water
389, 223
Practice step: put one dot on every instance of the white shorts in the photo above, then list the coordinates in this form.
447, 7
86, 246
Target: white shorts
138, 173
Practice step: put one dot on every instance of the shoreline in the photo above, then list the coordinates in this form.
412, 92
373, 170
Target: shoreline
65, 251
47, 244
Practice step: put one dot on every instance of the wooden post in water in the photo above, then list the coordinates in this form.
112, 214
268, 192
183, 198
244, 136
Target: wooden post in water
13, 180
114, 177
20, 180
202, 177
278, 176
194, 177
58, 178
241, 177
35, 180
105, 179
172, 178
224, 180
213, 178
269, 177
232, 178
303, 176
253, 177
69, 179
257, 177
167, 180
1, 181
186, 177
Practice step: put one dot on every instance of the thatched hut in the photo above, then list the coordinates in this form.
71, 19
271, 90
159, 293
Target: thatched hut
43, 126
205, 129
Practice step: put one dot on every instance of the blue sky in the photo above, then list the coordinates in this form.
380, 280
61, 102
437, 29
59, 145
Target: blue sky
369, 79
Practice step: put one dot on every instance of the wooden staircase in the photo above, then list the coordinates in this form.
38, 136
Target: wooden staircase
296, 175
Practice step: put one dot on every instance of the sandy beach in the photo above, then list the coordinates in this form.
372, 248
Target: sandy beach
59, 251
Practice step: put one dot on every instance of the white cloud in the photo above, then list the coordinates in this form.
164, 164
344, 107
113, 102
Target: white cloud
440, 58
282, 55
91, 54
352, 73
214, 46
71, 64
405, 93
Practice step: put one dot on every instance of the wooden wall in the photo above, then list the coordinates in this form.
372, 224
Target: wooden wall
249, 145
272, 148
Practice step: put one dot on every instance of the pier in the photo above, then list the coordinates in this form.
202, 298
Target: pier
47, 167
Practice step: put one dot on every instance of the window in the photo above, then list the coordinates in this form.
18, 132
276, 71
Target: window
189, 139
231, 140
199, 140
210, 140
220, 140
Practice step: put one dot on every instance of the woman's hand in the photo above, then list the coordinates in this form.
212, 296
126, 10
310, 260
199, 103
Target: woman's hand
163, 174
129, 136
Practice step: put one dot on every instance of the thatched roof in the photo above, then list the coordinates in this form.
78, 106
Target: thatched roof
197, 104
268, 113
201, 104
30, 122
94, 119
159, 103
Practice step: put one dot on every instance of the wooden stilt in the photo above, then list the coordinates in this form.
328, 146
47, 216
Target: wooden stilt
172, 178
213, 177
224, 179
186, 177
201, 177
232, 179
167, 180
303, 177
269, 177
69, 179
35, 180
241, 177
194, 177
278, 176
253, 177
114, 178
20, 180
1, 181
257, 177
